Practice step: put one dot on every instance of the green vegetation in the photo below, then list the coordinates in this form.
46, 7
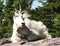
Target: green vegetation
49, 14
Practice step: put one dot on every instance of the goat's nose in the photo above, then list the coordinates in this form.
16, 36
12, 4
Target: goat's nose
23, 23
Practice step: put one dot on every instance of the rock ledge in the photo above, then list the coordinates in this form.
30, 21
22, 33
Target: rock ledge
44, 42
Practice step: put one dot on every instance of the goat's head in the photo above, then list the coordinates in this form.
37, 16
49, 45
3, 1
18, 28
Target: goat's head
17, 18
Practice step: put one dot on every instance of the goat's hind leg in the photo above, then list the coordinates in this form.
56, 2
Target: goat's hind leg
47, 35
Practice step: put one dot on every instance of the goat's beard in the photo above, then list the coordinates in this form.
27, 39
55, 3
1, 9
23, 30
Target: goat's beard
23, 31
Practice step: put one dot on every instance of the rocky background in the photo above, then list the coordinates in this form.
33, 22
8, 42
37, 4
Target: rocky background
44, 42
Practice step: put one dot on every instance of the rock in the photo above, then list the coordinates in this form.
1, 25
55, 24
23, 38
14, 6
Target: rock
5, 41
44, 42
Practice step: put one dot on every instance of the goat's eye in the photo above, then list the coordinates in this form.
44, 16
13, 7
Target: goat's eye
22, 17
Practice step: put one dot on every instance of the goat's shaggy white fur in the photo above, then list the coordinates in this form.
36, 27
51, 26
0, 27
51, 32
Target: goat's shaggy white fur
38, 29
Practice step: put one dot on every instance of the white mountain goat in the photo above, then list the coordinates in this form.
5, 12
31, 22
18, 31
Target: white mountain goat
23, 27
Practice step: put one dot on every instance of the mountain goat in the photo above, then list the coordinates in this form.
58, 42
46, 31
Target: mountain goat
32, 30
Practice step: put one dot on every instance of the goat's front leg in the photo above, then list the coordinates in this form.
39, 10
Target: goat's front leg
15, 36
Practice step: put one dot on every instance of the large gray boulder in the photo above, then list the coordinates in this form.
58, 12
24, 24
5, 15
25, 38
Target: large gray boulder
44, 42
